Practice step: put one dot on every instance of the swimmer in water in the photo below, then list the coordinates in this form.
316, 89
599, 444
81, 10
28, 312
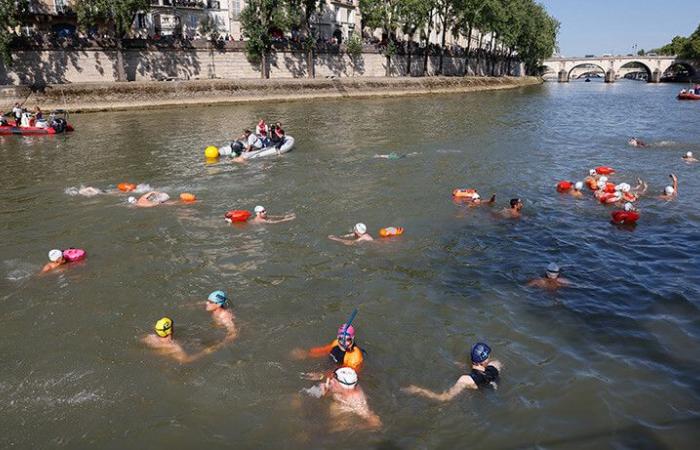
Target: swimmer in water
342, 351
688, 157
484, 373
592, 180
640, 188
552, 281
217, 305
576, 191
56, 260
670, 192
391, 155
150, 199
348, 398
477, 201
359, 234
514, 211
164, 343
634, 142
262, 217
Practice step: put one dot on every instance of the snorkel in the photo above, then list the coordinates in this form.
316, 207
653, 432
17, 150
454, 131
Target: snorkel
346, 327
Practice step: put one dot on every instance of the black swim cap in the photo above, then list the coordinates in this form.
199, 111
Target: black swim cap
514, 201
480, 352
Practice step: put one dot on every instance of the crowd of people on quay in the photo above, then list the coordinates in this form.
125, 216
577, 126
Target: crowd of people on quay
341, 382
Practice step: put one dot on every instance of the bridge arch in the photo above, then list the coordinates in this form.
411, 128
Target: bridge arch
685, 64
635, 65
582, 64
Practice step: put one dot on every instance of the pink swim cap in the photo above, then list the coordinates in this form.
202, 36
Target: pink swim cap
350, 331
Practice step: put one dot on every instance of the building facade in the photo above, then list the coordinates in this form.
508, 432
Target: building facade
183, 17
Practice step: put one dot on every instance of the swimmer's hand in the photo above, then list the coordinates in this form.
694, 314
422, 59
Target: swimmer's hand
312, 376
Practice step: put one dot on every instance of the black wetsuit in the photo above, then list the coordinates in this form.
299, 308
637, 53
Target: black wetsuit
485, 378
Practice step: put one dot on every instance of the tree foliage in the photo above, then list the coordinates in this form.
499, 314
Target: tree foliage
11, 13
119, 13
683, 47
259, 19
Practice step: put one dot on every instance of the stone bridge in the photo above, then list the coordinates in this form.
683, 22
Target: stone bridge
612, 66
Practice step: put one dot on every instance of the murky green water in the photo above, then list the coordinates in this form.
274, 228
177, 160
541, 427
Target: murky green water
609, 363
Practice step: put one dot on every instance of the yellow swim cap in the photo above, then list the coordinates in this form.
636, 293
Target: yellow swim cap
164, 327
211, 152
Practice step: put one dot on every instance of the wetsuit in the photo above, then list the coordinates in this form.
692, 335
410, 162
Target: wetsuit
485, 378
352, 358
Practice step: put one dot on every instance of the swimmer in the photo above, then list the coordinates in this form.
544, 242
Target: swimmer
342, 351
552, 281
670, 192
150, 199
392, 155
688, 157
634, 142
514, 211
576, 191
640, 188
217, 303
348, 398
359, 234
592, 180
164, 342
477, 201
484, 373
262, 217
56, 260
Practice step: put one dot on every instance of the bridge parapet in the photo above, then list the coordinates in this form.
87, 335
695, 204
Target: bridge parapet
655, 66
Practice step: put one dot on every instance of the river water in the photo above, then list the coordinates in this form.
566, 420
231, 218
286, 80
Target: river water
610, 362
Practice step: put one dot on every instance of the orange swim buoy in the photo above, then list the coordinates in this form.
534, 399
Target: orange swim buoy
187, 197
391, 231
237, 215
609, 188
564, 186
604, 170
464, 193
126, 187
624, 217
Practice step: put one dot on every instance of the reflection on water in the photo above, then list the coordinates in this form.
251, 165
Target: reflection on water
612, 358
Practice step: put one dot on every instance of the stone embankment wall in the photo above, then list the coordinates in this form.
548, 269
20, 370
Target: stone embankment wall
86, 65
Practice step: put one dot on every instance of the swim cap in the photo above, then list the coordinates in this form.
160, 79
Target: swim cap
669, 190
553, 268
603, 180
689, 155
218, 297
476, 197
629, 206
350, 331
579, 185
626, 187
480, 352
162, 197
259, 209
618, 187
164, 327
618, 194
346, 376
360, 228
514, 201
592, 172
131, 200
55, 255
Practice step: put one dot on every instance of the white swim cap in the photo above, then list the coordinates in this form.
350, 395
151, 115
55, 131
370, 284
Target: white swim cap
618, 195
592, 172
346, 376
689, 155
629, 206
618, 187
476, 197
360, 228
162, 197
259, 209
669, 190
55, 255
579, 185
603, 180
131, 199
626, 187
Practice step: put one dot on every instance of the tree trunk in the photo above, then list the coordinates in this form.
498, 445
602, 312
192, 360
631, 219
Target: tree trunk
310, 65
442, 43
408, 55
121, 71
469, 47
510, 61
264, 65
426, 53
388, 66
478, 53
493, 54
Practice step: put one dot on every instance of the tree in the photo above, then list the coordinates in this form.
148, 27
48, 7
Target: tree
120, 13
382, 14
691, 47
354, 50
301, 13
11, 13
259, 19
468, 17
414, 15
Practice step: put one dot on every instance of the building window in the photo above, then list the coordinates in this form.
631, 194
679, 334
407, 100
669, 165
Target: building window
141, 20
351, 16
236, 9
339, 14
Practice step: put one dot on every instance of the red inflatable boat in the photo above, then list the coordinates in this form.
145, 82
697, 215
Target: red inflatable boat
688, 96
58, 123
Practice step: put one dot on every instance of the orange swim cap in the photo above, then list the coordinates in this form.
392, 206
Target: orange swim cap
187, 197
126, 187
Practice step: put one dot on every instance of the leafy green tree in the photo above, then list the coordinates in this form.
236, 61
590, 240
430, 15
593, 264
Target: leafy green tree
119, 13
259, 19
467, 18
11, 13
382, 14
354, 50
301, 13
446, 18
413, 15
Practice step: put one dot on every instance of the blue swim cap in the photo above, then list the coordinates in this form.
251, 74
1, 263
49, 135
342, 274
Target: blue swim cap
218, 297
480, 352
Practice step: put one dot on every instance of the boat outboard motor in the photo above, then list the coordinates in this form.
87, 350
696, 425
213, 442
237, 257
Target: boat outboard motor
59, 125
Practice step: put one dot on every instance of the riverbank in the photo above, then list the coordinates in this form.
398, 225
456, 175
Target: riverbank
91, 97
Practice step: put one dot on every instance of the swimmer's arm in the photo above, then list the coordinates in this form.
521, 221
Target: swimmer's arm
319, 352
231, 332
462, 383
342, 239
675, 184
280, 219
